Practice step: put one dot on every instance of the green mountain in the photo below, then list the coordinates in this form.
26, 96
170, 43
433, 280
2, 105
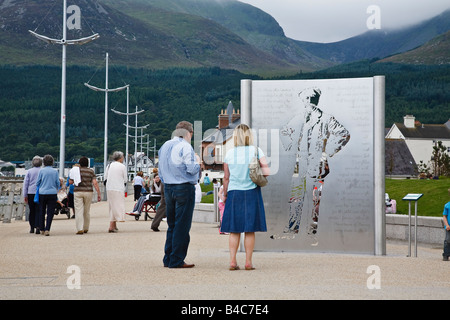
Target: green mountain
253, 25
380, 43
434, 52
160, 34
146, 34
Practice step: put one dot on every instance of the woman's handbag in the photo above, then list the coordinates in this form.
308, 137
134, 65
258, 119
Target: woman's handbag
255, 171
36, 196
105, 175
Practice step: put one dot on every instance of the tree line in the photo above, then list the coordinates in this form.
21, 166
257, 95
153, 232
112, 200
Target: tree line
30, 102
30, 106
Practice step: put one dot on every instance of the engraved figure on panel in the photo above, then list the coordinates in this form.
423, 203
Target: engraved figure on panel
316, 136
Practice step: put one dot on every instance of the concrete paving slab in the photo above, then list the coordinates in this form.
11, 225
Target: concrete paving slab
128, 266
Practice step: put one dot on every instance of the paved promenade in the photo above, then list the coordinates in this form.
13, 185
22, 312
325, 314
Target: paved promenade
128, 265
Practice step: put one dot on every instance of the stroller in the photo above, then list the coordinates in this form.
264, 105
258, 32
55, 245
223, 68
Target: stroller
62, 202
61, 207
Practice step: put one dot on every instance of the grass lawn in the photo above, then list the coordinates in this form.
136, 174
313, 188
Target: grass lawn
435, 195
209, 198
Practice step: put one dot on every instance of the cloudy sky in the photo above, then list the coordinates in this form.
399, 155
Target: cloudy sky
334, 20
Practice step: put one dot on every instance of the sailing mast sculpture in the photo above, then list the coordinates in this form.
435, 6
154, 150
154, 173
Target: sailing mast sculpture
64, 42
106, 90
136, 136
127, 124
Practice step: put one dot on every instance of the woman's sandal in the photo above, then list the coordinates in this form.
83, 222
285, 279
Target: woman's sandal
232, 268
249, 268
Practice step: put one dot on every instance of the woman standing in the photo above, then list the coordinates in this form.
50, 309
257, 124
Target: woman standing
48, 184
244, 207
138, 183
116, 179
29, 191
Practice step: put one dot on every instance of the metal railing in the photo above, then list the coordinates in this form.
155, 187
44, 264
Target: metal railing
11, 200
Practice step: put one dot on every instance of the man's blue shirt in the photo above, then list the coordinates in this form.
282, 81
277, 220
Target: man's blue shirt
177, 162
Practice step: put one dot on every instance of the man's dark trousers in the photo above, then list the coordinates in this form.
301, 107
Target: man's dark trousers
180, 202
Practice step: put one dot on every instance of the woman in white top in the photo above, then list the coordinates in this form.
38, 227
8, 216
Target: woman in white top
138, 184
116, 179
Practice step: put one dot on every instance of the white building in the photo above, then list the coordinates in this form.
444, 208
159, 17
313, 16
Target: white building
420, 138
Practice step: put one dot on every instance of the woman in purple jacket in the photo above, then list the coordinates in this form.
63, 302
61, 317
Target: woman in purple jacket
29, 190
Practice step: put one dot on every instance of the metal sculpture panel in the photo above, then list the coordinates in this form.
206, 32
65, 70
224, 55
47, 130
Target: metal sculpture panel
318, 136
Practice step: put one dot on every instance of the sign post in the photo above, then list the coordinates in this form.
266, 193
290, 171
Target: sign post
412, 197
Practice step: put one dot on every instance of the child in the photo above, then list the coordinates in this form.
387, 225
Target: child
445, 218
62, 194
221, 206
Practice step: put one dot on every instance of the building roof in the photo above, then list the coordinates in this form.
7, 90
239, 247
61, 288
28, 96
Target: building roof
6, 164
226, 133
426, 131
398, 159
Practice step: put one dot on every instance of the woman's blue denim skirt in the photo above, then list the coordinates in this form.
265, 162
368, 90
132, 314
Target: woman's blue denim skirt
244, 212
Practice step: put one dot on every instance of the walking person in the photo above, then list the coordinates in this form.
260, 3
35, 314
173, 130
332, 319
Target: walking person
160, 211
70, 195
116, 179
29, 191
179, 169
48, 184
244, 207
83, 192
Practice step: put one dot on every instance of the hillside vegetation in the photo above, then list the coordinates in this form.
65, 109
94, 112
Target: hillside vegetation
184, 60
431, 53
30, 102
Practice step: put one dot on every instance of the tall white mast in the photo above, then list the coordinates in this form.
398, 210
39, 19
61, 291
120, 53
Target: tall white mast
136, 137
64, 42
106, 90
127, 124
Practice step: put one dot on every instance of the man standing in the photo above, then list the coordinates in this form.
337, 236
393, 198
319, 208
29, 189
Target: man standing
179, 171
